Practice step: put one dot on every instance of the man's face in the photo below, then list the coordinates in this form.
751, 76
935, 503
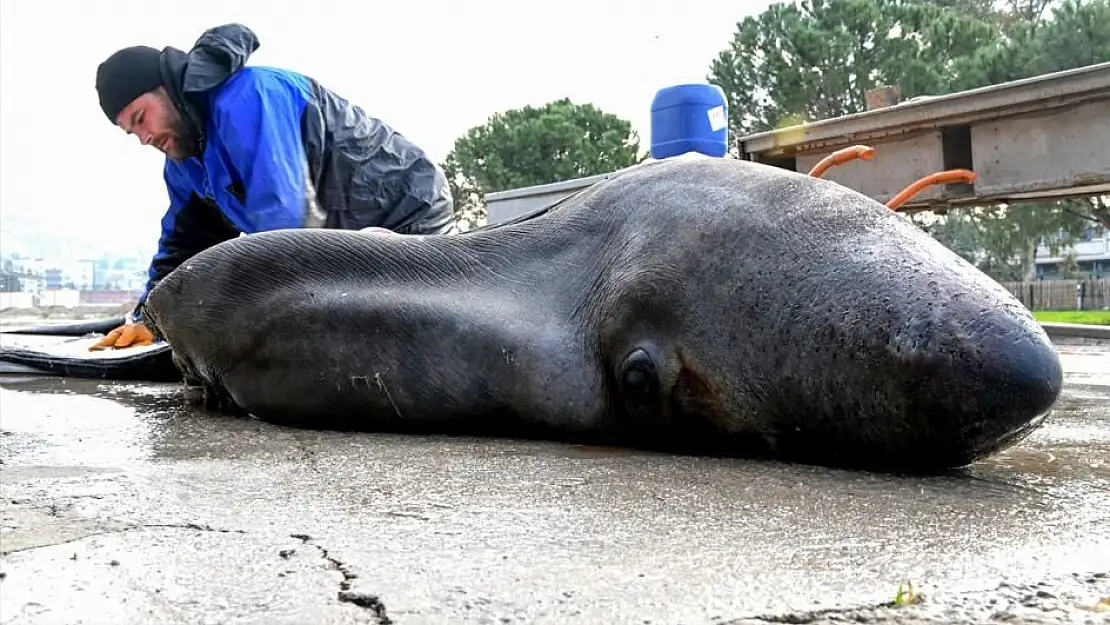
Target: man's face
154, 119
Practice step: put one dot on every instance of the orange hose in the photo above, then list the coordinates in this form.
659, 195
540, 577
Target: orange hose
840, 157
941, 177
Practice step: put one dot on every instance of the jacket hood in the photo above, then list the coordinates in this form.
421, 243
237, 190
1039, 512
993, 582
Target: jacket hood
189, 76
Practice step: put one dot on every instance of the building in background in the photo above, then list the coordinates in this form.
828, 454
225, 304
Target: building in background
29, 281
1087, 258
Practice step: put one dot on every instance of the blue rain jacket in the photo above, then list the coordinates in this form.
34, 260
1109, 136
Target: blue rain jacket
279, 150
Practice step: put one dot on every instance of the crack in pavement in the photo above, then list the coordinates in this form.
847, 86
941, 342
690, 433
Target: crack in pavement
346, 595
127, 528
192, 526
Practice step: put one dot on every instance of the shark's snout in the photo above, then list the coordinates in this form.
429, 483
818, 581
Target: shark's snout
975, 383
901, 380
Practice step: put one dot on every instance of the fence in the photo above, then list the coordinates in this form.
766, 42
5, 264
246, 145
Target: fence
1062, 294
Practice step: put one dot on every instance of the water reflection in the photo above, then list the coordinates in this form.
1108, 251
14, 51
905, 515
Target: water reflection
415, 512
58, 424
1056, 481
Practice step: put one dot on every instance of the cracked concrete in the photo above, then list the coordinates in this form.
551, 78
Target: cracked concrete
119, 507
361, 599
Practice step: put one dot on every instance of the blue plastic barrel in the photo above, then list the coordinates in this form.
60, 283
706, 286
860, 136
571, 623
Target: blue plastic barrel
689, 118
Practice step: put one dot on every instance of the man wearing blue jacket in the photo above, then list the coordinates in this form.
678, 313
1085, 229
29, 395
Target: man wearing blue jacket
250, 149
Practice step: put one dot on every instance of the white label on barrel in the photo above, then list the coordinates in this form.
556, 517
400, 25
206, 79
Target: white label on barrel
717, 119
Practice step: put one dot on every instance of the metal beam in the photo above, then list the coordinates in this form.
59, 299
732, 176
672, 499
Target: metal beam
1042, 137
505, 205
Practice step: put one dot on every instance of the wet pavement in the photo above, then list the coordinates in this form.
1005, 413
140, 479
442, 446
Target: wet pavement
120, 507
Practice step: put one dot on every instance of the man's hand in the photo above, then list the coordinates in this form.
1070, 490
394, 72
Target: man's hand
127, 335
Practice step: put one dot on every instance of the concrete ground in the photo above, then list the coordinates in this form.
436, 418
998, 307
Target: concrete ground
120, 507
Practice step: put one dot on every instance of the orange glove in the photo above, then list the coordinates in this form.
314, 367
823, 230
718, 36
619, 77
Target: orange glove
127, 335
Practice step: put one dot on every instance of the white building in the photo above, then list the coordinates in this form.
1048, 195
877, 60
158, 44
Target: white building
1091, 255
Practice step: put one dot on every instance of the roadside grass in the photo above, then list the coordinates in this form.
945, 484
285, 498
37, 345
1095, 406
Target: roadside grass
1088, 317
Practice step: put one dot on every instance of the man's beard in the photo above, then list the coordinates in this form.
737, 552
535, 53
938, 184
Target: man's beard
186, 141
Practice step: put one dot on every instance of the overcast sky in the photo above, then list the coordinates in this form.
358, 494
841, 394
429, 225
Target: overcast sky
430, 69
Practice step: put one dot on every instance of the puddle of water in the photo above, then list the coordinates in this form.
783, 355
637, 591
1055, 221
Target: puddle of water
70, 429
1047, 490
1086, 367
94, 423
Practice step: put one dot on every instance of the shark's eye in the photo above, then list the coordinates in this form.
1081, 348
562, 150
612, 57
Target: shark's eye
639, 378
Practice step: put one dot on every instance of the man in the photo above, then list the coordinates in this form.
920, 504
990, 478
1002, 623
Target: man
250, 149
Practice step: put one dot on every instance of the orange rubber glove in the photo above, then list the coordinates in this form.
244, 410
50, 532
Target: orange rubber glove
127, 335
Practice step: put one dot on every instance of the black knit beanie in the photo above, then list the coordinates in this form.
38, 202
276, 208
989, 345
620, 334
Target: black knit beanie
126, 75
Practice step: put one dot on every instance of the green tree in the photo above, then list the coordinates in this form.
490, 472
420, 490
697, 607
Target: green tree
1077, 34
1002, 241
986, 10
470, 206
1069, 269
539, 145
816, 59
